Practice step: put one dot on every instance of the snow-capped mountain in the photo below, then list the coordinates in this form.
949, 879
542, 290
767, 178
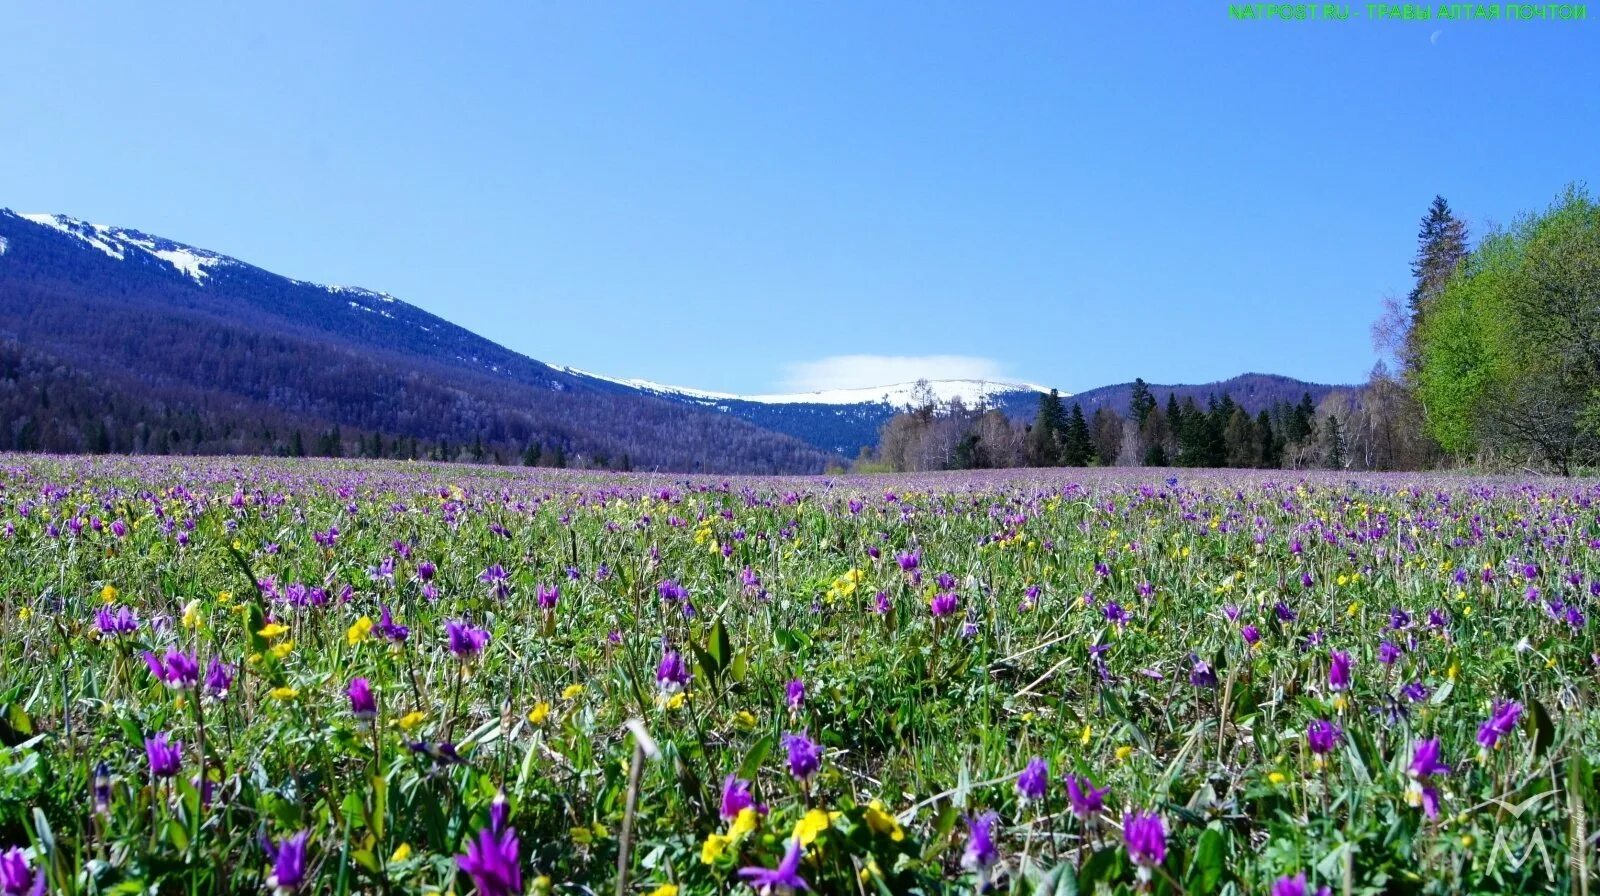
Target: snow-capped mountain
972, 393
117, 242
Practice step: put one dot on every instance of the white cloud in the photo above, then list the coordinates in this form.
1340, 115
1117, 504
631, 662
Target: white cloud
862, 371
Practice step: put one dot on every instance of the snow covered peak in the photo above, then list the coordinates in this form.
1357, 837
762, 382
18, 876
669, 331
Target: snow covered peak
119, 242
899, 395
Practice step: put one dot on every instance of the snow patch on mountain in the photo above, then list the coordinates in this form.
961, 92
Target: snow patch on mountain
899, 395
4, 245
117, 242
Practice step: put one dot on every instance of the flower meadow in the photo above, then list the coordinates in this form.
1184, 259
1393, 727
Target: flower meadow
229, 676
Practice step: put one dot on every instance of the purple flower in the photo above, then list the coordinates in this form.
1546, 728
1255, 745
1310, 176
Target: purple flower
1145, 837
805, 757
425, 571
784, 877
176, 669
116, 621
288, 863
1425, 759
1502, 721
1115, 613
1388, 653
1322, 736
909, 560
363, 705
980, 854
17, 877
794, 694
466, 640
1415, 691
166, 757
492, 863
672, 675
736, 797
1033, 781
548, 595
1087, 800
386, 627
1251, 635
943, 604
1339, 670
219, 679
1201, 675
1295, 886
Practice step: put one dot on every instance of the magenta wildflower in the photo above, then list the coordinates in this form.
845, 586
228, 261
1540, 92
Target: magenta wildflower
466, 640
1146, 838
17, 877
219, 679
1424, 765
1322, 736
673, 674
1251, 635
548, 596
1034, 780
288, 864
363, 705
175, 669
1295, 886
794, 694
805, 757
491, 860
1087, 800
943, 604
1501, 723
1339, 670
784, 877
980, 854
166, 756
736, 797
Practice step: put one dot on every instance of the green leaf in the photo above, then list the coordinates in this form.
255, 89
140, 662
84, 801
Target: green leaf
753, 759
1544, 730
1205, 871
720, 646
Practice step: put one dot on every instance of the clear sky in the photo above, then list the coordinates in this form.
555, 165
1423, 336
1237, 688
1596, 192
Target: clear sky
751, 196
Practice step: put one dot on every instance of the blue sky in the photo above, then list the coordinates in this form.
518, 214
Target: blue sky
750, 196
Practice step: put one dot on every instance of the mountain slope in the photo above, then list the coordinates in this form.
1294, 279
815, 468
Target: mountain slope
843, 420
186, 349
1253, 391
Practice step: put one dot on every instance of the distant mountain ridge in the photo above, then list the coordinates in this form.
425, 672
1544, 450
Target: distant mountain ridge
162, 345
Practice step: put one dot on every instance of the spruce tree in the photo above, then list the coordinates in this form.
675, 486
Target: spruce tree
1076, 447
1044, 439
1441, 247
1141, 402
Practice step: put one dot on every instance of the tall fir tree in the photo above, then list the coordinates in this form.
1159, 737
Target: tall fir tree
1141, 402
1076, 447
1441, 247
1049, 425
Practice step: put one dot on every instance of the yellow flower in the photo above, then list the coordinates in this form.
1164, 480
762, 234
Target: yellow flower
411, 720
540, 712
359, 631
882, 822
1123, 752
1276, 777
224, 597
746, 821
1088, 733
665, 890
273, 630
815, 822
401, 853
284, 693
108, 593
713, 848
191, 614
676, 700
24, 614
1355, 607
1455, 670
282, 650
572, 691
745, 719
